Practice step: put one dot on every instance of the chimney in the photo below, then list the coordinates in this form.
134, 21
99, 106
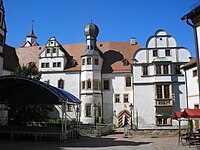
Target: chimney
133, 41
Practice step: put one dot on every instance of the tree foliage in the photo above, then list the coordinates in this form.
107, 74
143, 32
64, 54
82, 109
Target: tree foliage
25, 114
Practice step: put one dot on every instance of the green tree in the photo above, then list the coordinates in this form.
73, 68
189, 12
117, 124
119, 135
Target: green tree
24, 114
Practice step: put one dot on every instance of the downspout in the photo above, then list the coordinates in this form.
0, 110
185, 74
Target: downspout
197, 51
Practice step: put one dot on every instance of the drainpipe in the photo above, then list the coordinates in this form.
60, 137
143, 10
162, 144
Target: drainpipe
186, 88
197, 51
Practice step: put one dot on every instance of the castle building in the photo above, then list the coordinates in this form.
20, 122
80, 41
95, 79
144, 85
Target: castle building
108, 77
159, 86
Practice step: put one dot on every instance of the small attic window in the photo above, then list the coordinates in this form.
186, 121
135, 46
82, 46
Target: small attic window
40, 48
101, 45
125, 63
51, 42
161, 39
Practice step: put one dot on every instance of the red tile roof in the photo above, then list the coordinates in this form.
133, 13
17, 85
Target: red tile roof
113, 54
190, 64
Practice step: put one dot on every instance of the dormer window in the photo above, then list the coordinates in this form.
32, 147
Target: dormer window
48, 50
125, 63
54, 50
83, 61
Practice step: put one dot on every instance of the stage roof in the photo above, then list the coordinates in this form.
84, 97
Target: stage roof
25, 90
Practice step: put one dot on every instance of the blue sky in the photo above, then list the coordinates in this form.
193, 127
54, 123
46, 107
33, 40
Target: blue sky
118, 20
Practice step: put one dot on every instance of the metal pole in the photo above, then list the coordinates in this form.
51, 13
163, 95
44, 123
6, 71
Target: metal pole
131, 119
62, 121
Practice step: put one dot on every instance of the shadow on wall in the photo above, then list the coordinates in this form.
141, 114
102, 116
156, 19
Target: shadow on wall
111, 57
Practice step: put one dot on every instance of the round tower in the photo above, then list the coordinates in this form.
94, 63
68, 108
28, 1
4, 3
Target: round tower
91, 108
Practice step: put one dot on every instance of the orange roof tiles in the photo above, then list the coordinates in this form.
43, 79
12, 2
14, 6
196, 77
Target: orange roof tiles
113, 54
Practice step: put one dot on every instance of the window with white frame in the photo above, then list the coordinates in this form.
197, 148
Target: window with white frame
96, 84
44, 65
89, 61
56, 64
88, 110
162, 69
117, 98
163, 91
89, 84
167, 52
144, 70
83, 84
164, 121
128, 81
155, 53
126, 98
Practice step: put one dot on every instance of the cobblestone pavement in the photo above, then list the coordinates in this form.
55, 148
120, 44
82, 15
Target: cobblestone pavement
114, 141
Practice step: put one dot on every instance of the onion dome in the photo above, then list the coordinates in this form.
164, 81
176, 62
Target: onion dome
91, 30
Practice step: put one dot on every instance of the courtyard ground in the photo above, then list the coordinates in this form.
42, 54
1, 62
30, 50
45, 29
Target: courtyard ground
114, 141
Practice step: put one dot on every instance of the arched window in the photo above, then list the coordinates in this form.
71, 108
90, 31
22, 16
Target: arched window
89, 84
128, 81
61, 83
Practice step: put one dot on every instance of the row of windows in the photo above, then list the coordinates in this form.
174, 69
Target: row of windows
51, 50
93, 85
163, 91
96, 85
167, 53
88, 110
161, 69
55, 64
125, 98
90, 61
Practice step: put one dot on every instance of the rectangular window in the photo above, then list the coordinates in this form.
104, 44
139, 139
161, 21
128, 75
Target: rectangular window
166, 91
83, 84
106, 85
48, 50
83, 61
95, 84
58, 64
96, 61
126, 98
43, 65
88, 84
54, 64
155, 53
167, 52
164, 121
69, 107
194, 72
128, 81
54, 50
159, 91
144, 70
117, 98
89, 61
177, 69
165, 69
88, 110
158, 69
